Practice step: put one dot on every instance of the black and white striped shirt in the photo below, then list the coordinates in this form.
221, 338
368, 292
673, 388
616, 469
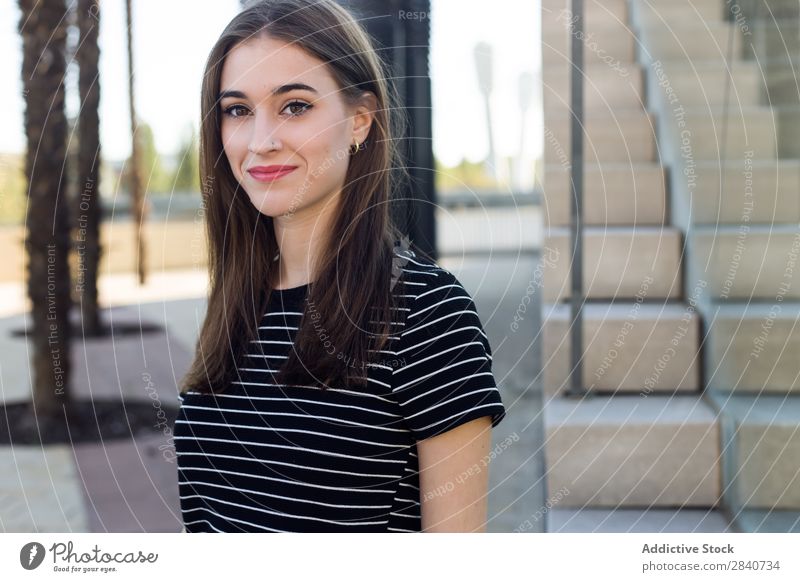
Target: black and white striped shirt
263, 457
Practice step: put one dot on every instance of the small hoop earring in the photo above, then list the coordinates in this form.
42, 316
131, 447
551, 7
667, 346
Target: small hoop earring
356, 147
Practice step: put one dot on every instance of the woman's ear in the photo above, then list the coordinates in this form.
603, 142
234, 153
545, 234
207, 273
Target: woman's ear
363, 116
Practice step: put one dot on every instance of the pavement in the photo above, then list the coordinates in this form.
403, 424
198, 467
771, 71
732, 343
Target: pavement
114, 485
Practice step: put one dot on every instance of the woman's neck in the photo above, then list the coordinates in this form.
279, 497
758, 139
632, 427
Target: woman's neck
300, 240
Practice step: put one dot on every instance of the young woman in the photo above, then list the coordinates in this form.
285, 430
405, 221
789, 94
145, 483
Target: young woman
341, 383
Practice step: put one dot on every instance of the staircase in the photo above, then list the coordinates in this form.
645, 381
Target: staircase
691, 225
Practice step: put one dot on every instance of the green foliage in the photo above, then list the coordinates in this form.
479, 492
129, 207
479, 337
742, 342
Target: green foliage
12, 189
153, 172
186, 177
182, 177
154, 178
465, 176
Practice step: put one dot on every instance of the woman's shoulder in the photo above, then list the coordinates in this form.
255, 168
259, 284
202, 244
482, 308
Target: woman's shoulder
412, 267
426, 282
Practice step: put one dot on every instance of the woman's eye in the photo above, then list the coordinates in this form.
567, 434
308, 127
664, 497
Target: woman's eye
297, 112
296, 108
230, 110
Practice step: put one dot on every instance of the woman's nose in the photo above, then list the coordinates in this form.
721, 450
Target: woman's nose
263, 137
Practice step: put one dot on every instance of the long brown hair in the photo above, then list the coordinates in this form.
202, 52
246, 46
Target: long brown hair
352, 284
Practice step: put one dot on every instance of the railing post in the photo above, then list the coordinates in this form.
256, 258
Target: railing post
576, 387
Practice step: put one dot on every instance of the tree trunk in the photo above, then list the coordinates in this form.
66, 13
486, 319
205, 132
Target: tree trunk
43, 27
137, 195
89, 159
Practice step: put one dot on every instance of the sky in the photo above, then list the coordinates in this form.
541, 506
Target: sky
172, 39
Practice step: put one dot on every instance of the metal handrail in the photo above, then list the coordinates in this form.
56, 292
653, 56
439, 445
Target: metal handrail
576, 387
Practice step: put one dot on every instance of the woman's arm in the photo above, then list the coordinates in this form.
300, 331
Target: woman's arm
454, 478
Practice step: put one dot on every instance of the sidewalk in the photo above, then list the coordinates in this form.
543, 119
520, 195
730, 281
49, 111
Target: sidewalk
116, 485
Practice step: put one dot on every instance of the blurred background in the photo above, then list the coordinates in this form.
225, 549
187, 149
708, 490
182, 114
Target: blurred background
655, 390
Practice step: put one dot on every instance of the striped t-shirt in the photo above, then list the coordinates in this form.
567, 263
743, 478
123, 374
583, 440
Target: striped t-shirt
264, 457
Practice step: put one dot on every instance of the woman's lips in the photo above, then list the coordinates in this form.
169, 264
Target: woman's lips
270, 173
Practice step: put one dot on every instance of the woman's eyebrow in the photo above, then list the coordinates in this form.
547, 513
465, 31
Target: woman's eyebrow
275, 92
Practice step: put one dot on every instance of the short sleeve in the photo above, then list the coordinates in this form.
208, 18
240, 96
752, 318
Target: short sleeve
444, 374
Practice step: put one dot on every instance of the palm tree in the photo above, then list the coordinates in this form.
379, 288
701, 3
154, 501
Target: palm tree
137, 195
88, 201
43, 27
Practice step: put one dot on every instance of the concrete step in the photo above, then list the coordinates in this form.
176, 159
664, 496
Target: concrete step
613, 44
761, 444
768, 521
630, 451
689, 40
788, 122
698, 133
614, 194
746, 262
626, 136
628, 347
597, 13
604, 89
745, 191
780, 80
617, 262
753, 347
774, 39
703, 83
780, 9
677, 12
591, 520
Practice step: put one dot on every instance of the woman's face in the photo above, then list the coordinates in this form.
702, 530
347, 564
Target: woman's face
281, 107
